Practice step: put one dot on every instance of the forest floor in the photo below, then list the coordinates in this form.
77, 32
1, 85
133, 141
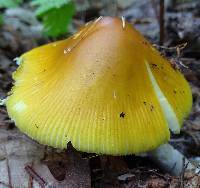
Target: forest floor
25, 163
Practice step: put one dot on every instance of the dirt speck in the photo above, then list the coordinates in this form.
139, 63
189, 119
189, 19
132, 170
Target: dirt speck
122, 115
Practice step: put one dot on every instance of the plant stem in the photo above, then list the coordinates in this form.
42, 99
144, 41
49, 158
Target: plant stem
162, 21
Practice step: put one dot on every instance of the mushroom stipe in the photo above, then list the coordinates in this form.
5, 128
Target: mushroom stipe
103, 90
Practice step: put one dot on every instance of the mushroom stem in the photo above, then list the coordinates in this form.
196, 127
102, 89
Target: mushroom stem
171, 160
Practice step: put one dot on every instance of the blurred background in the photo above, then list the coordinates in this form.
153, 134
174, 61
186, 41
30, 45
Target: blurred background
173, 26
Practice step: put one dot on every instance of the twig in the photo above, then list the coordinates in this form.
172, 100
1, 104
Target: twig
30, 180
175, 62
162, 21
182, 174
178, 47
158, 174
35, 176
182, 140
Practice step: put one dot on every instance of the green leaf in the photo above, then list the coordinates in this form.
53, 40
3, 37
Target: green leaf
9, 3
1, 19
57, 20
46, 5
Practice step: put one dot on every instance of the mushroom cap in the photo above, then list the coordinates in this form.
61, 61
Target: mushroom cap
105, 89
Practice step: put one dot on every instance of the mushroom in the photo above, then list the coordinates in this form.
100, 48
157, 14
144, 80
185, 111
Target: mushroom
105, 89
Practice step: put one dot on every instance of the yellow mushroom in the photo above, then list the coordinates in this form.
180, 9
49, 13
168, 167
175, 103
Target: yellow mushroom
105, 89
